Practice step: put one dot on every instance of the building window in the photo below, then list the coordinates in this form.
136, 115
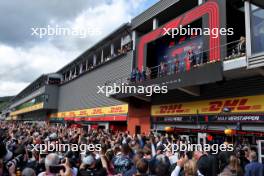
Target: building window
257, 29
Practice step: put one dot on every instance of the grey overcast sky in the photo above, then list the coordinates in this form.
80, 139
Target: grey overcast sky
24, 57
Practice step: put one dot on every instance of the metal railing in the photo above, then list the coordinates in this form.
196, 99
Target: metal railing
182, 65
121, 52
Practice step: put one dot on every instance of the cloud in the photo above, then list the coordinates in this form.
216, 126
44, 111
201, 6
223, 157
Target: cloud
19, 66
24, 57
10, 88
19, 16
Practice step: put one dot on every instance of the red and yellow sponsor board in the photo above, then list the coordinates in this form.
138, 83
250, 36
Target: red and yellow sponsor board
28, 109
101, 111
249, 104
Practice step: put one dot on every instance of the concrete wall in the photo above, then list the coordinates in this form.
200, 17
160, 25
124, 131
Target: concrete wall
53, 92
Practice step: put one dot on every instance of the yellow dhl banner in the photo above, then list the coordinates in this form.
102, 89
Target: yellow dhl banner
249, 104
28, 109
112, 110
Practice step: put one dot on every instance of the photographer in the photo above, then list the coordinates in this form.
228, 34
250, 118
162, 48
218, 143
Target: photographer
9, 161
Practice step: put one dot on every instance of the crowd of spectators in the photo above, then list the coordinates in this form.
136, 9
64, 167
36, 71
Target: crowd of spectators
121, 153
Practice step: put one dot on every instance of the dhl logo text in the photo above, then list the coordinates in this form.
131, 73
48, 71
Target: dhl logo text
170, 109
233, 105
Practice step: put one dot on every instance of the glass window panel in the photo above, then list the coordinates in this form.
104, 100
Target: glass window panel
257, 28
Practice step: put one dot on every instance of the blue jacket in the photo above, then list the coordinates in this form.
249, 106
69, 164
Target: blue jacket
254, 169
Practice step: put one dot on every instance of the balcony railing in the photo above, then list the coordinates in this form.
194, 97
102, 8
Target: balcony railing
233, 50
121, 52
